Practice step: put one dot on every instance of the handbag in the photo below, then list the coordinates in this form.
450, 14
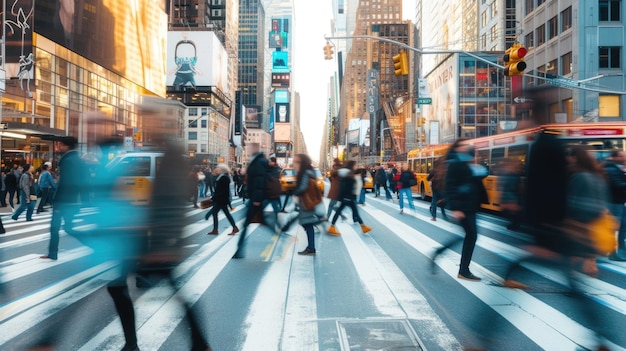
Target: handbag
311, 197
602, 231
206, 203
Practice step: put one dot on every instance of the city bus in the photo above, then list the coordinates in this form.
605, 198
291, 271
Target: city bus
602, 138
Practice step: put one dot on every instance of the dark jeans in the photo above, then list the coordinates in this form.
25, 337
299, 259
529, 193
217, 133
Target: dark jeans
224, 208
433, 205
310, 235
11, 196
3, 198
469, 241
384, 185
65, 213
45, 195
29, 207
355, 211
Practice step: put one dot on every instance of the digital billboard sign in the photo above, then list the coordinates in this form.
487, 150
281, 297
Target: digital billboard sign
196, 59
254, 117
125, 37
279, 33
19, 44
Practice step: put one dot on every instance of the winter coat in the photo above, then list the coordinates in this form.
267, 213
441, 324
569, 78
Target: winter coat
464, 187
617, 182
333, 192
222, 190
256, 177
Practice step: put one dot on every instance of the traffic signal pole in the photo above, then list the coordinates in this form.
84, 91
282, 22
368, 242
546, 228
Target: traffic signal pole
572, 84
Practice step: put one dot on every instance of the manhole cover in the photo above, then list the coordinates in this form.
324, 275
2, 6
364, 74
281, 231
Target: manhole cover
380, 335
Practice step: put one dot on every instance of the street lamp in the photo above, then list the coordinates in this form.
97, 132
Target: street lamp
382, 139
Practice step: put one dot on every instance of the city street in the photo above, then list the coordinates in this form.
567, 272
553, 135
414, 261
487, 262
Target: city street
360, 292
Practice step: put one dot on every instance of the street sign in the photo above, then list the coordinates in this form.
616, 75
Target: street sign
424, 101
520, 99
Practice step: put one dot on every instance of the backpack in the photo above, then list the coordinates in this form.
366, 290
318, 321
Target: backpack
311, 197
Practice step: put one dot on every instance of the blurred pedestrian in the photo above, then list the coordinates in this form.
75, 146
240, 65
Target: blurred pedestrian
348, 198
394, 178
306, 217
12, 186
381, 179
361, 173
465, 193
405, 181
256, 179
437, 178
72, 176
46, 187
192, 186
333, 191
27, 194
221, 199
3, 190
614, 166
274, 189
509, 187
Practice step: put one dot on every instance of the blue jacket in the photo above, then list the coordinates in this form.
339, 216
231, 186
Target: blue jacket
46, 181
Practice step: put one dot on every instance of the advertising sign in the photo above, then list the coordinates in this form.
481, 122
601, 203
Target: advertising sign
444, 90
281, 80
271, 127
254, 117
19, 46
196, 59
280, 62
372, 91
279, 33
281, 96
124, 37
282, 113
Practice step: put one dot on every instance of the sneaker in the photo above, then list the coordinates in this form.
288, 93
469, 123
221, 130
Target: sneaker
333, 231
468, 276
365, 228
307, 252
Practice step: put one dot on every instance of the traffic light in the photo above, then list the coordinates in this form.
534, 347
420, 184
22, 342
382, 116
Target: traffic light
514, 60
328, 52
401, 64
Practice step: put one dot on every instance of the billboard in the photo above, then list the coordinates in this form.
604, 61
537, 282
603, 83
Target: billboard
281, 96
279, 33
196, 59
281, 80
19, 44
282, 113
280, 61
125, 37
254, 117
443, 87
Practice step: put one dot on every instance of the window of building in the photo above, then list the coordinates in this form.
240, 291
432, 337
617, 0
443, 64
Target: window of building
483, 17
483, 40
566, 63
193, 111
529, 6
553, 27
203, 123
539, 2
193, 136
193, 124
540, 33
494, 33
609, 106
609, 56
551, 68
566, 19
494, 9
609, 10
530, 40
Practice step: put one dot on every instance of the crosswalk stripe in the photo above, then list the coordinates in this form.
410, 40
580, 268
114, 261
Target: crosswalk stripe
514, 305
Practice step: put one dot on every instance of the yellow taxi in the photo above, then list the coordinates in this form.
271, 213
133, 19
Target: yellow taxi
288, 179
368, 182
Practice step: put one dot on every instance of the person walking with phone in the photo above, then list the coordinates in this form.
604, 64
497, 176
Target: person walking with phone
27, 194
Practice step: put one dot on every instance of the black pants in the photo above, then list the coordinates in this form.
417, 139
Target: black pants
355, 211
224, 208
469, 241
251, 212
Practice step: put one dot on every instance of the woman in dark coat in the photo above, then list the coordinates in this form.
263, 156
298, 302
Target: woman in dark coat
307, 218
221, 198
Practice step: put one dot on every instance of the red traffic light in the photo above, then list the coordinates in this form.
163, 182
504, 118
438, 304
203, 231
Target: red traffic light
514, 60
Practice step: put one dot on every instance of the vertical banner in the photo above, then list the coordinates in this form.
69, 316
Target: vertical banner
20, 62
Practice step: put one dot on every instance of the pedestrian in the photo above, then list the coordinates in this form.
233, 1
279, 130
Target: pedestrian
206, 171
406, 181
201, 177
192, 186
465, 193
333, 191
221, 199
509, 183
348, 198
381, 179
237, 181
306, 217
3, 190
360, 173
437, 178
274, 189
614, 168
67, 200
394, 176
12, 186
256, 183
46, 187
27, 194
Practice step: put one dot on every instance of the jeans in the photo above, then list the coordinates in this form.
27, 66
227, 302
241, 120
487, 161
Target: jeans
355, 211
45, 195
61, 212
469, 243
224, 208
11, 196
433, 205
310, 236
384, 185
362, 196
409, 196
29, 207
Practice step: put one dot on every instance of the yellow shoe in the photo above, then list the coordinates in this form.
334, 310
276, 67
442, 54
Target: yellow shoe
333, 231
365, 228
